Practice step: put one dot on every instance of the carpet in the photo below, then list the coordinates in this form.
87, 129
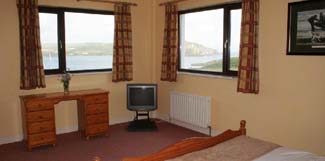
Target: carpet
118, 144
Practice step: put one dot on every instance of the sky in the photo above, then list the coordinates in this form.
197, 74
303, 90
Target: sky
48, 28
80, 28
206, 28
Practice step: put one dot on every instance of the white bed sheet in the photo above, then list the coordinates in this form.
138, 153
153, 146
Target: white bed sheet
287, 154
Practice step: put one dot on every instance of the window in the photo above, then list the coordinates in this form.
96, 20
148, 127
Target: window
49, 40
77, 40
209, 40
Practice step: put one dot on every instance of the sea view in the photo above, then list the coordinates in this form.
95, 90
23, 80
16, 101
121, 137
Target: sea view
78, 62
90, 56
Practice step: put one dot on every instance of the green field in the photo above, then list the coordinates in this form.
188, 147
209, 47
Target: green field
216, 65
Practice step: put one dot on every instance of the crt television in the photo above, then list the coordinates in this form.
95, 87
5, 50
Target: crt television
142, 97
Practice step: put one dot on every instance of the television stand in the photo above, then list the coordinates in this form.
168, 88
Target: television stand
142, 124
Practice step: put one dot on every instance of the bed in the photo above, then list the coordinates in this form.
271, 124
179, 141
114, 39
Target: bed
228, 146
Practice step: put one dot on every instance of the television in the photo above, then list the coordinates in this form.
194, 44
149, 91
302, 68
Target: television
142, 97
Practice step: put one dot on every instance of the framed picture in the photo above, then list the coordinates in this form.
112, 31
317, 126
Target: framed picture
306, 28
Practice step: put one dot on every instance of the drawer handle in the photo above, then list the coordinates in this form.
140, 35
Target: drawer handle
41, 117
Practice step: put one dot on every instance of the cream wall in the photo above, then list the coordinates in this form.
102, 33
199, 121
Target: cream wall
66, 114
290, 109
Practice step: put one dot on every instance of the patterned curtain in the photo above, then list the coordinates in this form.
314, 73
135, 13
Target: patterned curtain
122, 61
170, 48
31, 62
248, 76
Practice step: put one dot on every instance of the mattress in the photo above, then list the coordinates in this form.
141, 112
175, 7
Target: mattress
244, 148
287, 154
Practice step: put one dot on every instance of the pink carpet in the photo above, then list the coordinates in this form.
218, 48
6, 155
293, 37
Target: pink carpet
119, 144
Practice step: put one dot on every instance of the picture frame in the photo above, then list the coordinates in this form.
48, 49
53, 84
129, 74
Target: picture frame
306, 28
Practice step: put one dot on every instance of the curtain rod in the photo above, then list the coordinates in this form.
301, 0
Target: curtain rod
108, 1
175, 1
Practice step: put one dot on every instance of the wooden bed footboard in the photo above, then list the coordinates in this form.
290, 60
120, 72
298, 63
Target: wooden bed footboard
190, 145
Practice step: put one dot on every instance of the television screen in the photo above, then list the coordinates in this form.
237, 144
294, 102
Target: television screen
141, 97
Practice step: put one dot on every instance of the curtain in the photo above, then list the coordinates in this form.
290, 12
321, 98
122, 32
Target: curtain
122, 58
31, 62
248, 75
170, 48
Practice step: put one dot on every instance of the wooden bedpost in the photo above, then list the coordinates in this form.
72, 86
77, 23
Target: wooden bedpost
243, 127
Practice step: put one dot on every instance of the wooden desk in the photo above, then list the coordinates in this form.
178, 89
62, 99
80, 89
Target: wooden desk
39, 120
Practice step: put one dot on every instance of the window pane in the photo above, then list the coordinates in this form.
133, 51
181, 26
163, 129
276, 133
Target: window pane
235, 39
89, 41
49, 40
202, 40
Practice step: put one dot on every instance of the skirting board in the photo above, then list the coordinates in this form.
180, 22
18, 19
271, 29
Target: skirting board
67, 129
12, 139
189, 126
18, 138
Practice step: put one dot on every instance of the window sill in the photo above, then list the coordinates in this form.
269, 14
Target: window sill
79, 74
208, 75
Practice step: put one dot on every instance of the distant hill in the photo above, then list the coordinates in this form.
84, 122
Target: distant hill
97, 49
195, 49
85, 49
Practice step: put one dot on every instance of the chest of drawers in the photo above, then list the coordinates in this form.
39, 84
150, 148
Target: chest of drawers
39, 117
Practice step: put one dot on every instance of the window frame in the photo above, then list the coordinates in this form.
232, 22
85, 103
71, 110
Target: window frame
60, 11
226, 38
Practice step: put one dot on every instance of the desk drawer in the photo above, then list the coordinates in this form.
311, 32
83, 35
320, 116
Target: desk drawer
96, 109
97, 119
97, 129
43, 138
96, 99
38, 105
40, 116
41, 127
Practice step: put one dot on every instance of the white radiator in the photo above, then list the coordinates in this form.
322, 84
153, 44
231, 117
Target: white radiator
191, 109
